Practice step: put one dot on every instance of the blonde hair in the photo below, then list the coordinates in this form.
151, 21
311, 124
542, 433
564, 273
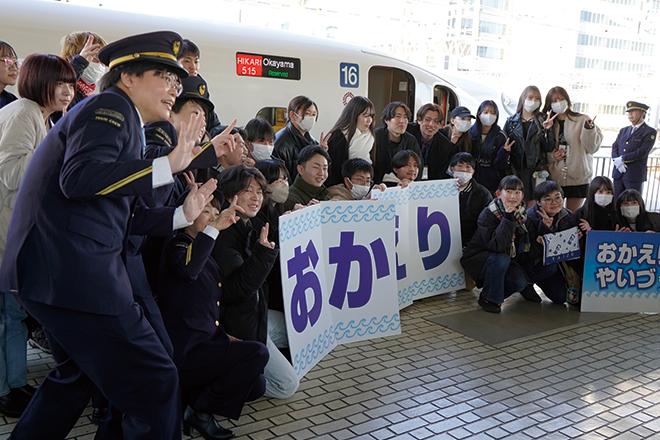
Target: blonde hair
74, 42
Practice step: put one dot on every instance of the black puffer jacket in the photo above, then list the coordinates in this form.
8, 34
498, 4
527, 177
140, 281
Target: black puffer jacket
471, 203
244, 309
288, 143
384, 152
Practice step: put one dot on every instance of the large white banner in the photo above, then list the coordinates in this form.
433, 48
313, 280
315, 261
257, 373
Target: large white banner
338, 275
429, 239
349, 267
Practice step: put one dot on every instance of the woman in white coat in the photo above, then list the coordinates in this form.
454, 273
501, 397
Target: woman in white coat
46, 85
577, 138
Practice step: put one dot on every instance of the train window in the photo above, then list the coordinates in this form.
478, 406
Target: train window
276, 116
389, 84
446, 99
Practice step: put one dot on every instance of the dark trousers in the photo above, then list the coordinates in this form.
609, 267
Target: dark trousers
550, 279
502, 278
122, 356
224, 386
621, 184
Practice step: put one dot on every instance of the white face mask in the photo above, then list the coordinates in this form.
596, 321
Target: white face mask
262, 151
93, 73
280, 193
463, 125
530, 106
487, 119
630, 212
603, 199
559, 107
462, 177
307, 123
360, 191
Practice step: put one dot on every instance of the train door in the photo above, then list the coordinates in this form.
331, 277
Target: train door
446, 99
388, 84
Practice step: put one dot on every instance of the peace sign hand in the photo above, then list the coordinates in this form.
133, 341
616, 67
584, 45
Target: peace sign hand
324, 141
547, 220
591, 122
547, 124
228, 216
224, 143
90, 50
508, 144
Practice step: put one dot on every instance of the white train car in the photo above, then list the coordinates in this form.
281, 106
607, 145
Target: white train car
250, 71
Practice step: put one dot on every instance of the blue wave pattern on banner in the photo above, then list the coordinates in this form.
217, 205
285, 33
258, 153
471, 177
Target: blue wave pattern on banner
419, 288
341, 212
605, 294
401, 197
292, 227
314, 350
374, 326
437, 189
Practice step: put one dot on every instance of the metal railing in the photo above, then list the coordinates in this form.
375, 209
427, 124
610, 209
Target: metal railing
650, 190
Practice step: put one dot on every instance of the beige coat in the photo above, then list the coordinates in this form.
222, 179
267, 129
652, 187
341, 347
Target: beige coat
22, 128
582, 144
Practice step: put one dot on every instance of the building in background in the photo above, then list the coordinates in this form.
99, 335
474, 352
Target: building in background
604, 52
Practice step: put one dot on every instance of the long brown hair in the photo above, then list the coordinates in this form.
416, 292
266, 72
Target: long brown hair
349, 116
562, 91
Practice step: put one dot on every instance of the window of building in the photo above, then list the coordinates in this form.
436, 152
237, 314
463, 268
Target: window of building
490, 52
498, 4
489, 27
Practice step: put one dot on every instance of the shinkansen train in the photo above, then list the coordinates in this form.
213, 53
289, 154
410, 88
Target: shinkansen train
251, 71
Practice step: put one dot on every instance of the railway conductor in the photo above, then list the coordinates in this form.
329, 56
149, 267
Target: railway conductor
65, 251
631, 149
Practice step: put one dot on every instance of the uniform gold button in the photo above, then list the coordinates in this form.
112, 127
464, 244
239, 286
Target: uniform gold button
218, 303
217, 323
219, 284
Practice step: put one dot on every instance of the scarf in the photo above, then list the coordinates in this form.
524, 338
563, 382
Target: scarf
497, 208
361, 144
84, 88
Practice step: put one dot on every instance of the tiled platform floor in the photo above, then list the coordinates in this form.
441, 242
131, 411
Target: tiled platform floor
601, 381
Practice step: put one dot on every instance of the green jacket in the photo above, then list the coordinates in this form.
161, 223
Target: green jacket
302, 192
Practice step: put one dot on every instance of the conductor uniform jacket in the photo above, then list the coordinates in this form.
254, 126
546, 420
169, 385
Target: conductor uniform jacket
634, 149
74, 208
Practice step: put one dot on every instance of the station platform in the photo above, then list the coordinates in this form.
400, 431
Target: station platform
593, 380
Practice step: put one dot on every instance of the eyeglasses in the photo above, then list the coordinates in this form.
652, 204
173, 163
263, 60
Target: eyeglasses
548, 200
11, 63
361, 181
171, 79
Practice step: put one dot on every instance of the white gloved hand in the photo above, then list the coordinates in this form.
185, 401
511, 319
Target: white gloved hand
619, 164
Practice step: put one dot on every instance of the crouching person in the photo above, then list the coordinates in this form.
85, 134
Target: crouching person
500, 246
549, 216
218, 373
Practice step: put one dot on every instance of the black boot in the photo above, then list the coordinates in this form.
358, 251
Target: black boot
205, 424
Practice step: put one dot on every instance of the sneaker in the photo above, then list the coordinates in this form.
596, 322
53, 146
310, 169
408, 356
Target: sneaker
39, 341
488, 306
529, 293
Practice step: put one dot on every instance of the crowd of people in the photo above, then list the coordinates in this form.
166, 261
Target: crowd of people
141, 235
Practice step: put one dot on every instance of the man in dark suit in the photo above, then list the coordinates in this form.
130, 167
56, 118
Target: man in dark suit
65, 257
437, 150
631, 149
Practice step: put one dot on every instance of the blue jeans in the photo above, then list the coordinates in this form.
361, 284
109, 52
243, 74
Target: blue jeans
13, 344
501, 278
281, 379
551, 281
